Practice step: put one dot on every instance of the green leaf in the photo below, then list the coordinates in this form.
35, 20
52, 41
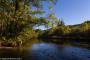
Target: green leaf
50, 8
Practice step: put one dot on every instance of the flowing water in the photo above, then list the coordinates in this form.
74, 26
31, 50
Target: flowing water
46, 51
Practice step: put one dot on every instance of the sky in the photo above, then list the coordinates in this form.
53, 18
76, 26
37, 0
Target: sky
70, 11
73, 11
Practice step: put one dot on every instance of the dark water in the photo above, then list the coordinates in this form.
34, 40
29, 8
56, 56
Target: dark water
46, 51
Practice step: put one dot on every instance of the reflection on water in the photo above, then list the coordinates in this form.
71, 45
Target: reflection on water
47, 51
7, 53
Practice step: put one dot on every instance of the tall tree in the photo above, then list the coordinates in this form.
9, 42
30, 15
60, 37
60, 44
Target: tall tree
16, 16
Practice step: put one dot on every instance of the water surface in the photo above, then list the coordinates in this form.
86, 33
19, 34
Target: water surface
47, 51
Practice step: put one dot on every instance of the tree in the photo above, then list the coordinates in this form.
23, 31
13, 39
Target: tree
17, 20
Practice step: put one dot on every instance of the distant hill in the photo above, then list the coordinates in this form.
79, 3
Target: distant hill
76, 25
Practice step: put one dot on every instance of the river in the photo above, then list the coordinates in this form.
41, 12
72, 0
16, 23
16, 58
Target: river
46, 51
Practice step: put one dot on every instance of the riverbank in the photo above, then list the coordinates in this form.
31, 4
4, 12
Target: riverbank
72, 42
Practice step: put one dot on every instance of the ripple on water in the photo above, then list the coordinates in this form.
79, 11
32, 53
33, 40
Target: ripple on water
46, 51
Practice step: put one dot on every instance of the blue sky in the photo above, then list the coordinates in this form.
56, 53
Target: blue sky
73, 11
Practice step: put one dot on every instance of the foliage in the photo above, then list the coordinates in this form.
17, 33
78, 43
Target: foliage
79, 31
27, 34
17, 19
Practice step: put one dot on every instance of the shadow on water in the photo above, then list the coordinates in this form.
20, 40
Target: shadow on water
47, 51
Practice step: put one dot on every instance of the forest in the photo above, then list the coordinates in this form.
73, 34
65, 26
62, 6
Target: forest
19, 17
78, 32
